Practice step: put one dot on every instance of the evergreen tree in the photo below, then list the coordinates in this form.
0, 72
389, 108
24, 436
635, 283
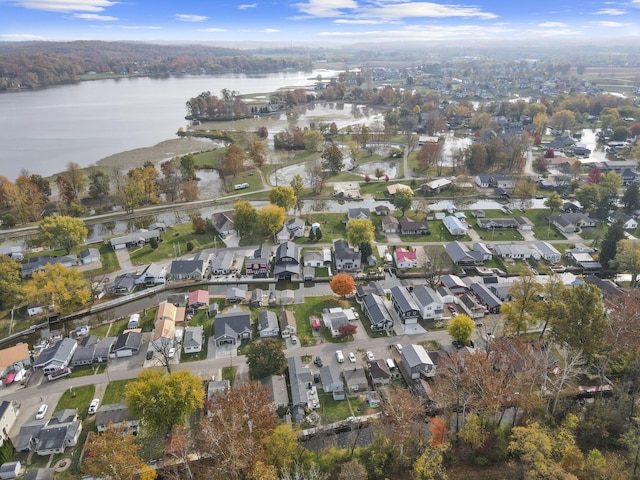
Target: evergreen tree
312, 235
631, 198
610, 243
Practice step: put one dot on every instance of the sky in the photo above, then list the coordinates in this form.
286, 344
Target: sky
315, 21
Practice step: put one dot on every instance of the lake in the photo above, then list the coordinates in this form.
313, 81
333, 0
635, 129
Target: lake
42, 130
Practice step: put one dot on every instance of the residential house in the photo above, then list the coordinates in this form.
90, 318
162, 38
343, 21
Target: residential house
405, 258
628, 222
127, 344
486, 297
346, 258
357, 214
169, 310
63, 430
223, 263
89, 255
606, 285
292, 229
313, 258
137, 239
33, 310
268, 324
461, 255
17, 354
124, 284
223, 222
382, 210
379, 372
413, 227
198, 299
27, 436
571, 222
416, 362
583, 259
232, 327
10, 470
117, 415
257, 266
152, 275
436, 186
303, 391
278, 392
193, 339
38, 263
160, 226
470, 306
56, 357
12, 251
374, 307
390, 224
497, 223
163, 334
355, 378
454, 226
512, 250
40, 474
494, 180
287, 323
547, 251
332, 382
429, 303
257, 298
92, 351
236, 295
524, 224
9, 412
454, 284
287, 261
446, 296
177, 300
404, 305
334, 318
392, 189
187, 270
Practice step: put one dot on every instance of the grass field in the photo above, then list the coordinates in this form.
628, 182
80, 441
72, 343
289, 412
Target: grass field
174, 243
114, 392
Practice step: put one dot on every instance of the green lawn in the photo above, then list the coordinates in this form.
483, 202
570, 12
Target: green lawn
200, 318
174, 243
77, 397
313, 306
332, 410
229, 373
109, 261
115, 392
493, 235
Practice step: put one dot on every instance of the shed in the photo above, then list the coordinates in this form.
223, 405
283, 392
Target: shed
10, 469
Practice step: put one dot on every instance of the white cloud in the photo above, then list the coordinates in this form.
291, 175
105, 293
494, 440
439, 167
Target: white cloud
269, 30
388, 10
246, 6
212, 30
561, 31
610, 24
429, 32
65, 5
20, 37
611, 11
553, 25
134, 27
347, 21
95, 17
184, 17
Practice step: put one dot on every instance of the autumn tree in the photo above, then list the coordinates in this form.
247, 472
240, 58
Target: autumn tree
245, 217
64, 288
265, 358
359, 231
99, 185
428, 155
332, 159
188, 167
582, 323
62, 232
11, 289
271, 218
430, 465
284, 197
114, 453
563, 120
162, 400
627, 259
233, 160
297, 184
520, 312
403, 199
233, 436
313, 140
171, 180
199, 224
132, 193
347, 330
258, 153
26, 199
190, 191
354, 148
461, 328
342, 284
75, 175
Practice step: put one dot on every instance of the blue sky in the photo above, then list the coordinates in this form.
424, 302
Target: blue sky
315, 20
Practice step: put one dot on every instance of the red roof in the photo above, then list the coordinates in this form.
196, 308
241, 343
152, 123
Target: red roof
199, 296
403, 255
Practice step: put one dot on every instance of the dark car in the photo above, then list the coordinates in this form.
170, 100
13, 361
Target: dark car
458, 344
318, 361
149, 354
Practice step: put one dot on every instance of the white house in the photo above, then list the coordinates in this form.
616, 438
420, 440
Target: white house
548, 251
405, 258
193, 339
429, 303
454, 225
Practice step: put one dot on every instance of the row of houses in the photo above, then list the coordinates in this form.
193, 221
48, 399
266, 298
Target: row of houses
38, 263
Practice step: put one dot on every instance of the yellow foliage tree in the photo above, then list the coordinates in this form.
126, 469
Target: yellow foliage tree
64, 288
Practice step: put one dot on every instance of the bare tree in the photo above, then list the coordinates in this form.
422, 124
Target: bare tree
433, 268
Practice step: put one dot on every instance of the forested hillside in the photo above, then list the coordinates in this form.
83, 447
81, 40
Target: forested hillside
38, 64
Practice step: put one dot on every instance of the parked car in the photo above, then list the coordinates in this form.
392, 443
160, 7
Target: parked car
318, 361
399, 348
352, 357
171, 353
149, 354
93, 406
294, 340
339, 356
42, 411
458, 344
370, 356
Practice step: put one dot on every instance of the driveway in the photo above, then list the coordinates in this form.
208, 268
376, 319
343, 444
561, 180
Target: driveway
125, 261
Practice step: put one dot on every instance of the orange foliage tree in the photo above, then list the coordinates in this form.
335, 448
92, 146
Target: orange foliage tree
342, 284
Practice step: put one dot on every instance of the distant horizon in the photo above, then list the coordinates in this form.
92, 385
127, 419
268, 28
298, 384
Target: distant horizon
317, 22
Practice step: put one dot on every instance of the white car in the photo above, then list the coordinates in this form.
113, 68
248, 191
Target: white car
93, 406
171, 353
42, 411
339, 356
370, 356
352, 357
